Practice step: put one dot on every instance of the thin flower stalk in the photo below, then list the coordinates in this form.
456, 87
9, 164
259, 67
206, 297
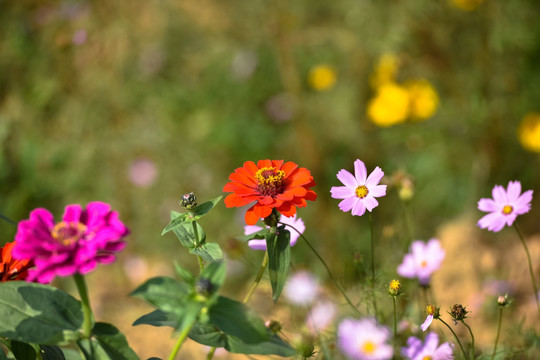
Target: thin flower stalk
456, 337
181, 339
472, 338
498, 333
88, 317
338, 285
373, 296
531, 271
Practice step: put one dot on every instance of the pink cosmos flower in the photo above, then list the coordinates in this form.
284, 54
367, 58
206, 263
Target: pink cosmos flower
433, 312
84, 238
505, 206
321, 316
260, 244
360, 190
427, 322
364, 339
302, 288
422, 261
430, 349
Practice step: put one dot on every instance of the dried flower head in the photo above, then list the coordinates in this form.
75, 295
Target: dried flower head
458, 312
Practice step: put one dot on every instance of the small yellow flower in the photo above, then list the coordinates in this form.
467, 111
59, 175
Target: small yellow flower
385, 70
394, 287
529, 132
424, 99
467, 5
322, 77
390, 106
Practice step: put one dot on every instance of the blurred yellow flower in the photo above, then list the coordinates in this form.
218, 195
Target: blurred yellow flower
385, 70
529, 132
467, 5
322, 77
423, 99
390, 106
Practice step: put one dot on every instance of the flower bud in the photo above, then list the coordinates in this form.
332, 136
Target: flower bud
503, 300
273, 325
188, 201
433, 310
394, 288
458, 312
204, 287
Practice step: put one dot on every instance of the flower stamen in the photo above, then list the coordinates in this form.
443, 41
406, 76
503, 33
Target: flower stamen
361, 191
369, 347
269, 181
68, 233
507, 209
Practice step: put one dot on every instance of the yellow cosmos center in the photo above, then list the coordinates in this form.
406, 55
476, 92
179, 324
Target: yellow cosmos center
507, 209
361, 191
68, 233
395, 285
427, 357
430, 309
423, 264
270, 181
369, 347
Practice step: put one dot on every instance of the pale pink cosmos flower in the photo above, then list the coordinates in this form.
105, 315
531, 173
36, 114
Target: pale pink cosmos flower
430, 349
364, 339
321, 316
360, 190
427, 322
76, 245
505, 206
260, 244
422, 260
302, 288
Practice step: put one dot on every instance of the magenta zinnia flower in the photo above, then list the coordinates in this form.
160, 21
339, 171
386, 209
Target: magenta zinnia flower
360, 190
505, 206
364, 339
422, 261
430, 349
84, 238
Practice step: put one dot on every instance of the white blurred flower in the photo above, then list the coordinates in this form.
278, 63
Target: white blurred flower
321, 316
302, 288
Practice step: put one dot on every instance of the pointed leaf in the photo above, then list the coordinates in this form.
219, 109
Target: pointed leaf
22, 351
204, 208
3, 355
49, 352
36, 313
183, 273
176, 219
279, 259
164, 293
157, 318
210, 252
215, 272
186, 234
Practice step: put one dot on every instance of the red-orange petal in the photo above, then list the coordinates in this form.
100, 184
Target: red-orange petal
251, 217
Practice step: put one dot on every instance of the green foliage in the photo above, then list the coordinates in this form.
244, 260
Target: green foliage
49, 352
41, 314
107, 343
279, 259
22, 351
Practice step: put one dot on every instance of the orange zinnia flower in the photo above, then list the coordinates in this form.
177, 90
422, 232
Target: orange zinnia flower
10, 268
273, 184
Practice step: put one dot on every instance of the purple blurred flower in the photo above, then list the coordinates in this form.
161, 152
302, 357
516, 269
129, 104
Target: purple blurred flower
143, 172
260, 244
302, 288
84, 238
422, 261
430, 349
364, 340
80, 37
505, 206
360, 190
321, 316
280, 107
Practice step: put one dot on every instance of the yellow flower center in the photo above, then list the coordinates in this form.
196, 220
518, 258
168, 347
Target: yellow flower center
430, 309
270, 181
361, 191
507, 209
68, 233
395, 285
427, 357
369, 347
423, 264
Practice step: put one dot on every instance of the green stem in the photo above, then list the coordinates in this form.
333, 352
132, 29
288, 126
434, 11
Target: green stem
258, 278
457, 339
531, 271
395, 322
498, 333
211, 353
374, 298
472, 338
181, 339
408, 225
196, 234
327, 269
88, 321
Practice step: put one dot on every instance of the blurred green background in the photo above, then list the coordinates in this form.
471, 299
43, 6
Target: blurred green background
135, 103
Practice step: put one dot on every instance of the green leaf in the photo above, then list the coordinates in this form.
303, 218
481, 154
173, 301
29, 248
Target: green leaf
3, 355
279, 259
261, 234
49, 352
107, 343
186, 234
36, 313
236, 319
183, 273
164, 293
176, 219
204, 208
23, 351
215, 272
210, 252
211, 336
157, 318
